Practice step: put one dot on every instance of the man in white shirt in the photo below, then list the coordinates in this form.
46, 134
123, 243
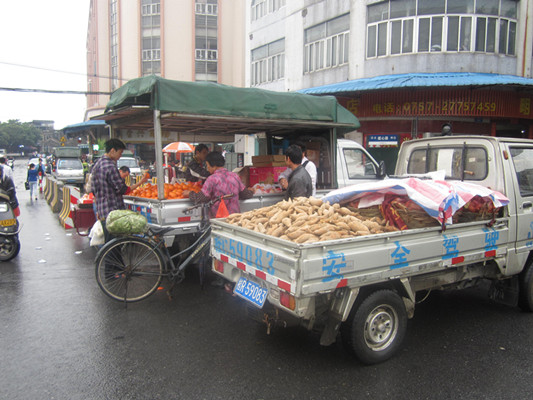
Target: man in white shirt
309, 166
7, 169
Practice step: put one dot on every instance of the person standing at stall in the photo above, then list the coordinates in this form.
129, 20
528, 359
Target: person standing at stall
309, 166
220, 182
195, 171
299, 184
106, 183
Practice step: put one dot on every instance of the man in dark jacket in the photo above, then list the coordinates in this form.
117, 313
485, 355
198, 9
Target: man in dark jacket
195, 170
300, 184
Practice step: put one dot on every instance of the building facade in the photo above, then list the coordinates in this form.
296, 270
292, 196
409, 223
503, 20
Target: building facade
300, 44
188, 40
328, 46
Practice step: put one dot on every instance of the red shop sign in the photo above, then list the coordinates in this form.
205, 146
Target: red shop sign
448, 102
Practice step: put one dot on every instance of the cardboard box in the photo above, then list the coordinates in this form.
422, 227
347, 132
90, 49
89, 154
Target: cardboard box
268, 161
265, 174
244, 174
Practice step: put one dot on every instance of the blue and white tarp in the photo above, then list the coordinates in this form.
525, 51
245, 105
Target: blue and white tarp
439, 198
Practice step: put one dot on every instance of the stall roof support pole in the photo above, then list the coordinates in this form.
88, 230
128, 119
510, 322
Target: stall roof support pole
159, 156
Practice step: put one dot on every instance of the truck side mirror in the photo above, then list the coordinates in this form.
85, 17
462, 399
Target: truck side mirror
382, 171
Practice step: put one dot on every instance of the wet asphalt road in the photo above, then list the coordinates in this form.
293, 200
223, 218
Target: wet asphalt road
62, 338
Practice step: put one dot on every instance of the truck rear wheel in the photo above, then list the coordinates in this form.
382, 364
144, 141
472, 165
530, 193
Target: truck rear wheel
376, 327
525, 294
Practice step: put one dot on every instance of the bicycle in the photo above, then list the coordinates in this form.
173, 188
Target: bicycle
130, 268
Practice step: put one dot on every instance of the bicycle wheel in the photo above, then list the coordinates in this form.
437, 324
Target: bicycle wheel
129, 269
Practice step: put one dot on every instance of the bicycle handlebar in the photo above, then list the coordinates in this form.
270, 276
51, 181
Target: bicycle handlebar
210, 202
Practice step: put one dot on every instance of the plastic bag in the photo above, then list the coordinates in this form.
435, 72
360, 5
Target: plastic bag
125, 222
97, 234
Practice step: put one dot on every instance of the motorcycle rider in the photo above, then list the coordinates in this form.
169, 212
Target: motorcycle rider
8, 187
8, 171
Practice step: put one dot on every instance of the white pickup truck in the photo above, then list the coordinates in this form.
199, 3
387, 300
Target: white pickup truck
365, 286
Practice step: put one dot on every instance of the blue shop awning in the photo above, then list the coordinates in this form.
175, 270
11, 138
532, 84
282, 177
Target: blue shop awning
82, 126
442, 79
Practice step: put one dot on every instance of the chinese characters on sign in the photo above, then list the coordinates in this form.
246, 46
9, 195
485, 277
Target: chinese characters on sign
437, 102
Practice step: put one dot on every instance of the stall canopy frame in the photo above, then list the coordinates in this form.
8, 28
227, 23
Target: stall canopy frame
159, 104
205, 107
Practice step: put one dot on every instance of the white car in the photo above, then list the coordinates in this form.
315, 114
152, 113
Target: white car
69, 171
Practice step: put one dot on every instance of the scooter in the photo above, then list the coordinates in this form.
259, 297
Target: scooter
9, 229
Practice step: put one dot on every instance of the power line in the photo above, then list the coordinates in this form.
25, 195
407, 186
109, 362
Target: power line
61, 71
22, 90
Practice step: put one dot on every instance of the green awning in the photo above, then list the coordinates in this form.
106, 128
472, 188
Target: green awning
212, 99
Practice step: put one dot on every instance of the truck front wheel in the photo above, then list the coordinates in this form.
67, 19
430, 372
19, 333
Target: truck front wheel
376, 327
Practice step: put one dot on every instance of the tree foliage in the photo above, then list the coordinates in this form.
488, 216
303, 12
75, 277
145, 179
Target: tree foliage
14, 133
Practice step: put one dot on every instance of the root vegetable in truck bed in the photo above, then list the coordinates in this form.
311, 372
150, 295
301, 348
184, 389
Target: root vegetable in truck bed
308, 220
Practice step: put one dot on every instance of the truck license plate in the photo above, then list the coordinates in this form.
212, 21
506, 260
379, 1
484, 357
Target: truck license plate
251, 292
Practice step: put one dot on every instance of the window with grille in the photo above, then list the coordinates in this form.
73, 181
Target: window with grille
268, 62
206, 40
327, 45
409, 26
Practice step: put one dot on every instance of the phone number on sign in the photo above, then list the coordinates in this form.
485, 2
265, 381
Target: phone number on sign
419, 107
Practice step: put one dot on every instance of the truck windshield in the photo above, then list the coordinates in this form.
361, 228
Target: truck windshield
358, 164
461, 162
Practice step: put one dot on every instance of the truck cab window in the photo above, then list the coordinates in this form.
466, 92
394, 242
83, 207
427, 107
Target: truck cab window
358, 164
523, 165
461, 162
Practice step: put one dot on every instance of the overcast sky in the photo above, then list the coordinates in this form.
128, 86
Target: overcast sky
50, 36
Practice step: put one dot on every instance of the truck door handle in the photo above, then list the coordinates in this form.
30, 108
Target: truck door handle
527, 204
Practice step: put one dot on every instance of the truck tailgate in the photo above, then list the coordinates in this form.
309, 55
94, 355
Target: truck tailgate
305, 269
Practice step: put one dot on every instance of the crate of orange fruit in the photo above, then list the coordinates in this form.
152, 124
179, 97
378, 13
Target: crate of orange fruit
173, 191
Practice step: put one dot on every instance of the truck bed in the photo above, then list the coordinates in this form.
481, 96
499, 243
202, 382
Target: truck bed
306, 269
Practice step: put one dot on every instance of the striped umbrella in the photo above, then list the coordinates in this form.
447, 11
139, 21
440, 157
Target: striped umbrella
178, 147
